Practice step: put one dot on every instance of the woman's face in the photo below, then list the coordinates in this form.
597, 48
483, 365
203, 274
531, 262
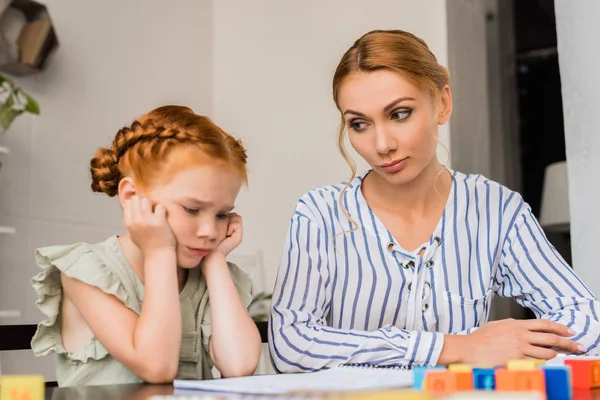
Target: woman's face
392, 123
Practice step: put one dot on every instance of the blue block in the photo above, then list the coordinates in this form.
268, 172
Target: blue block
484, 378
558, 382
419, 375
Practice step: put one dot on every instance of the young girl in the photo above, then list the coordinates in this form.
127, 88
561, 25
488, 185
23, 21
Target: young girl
159, 302
399, 265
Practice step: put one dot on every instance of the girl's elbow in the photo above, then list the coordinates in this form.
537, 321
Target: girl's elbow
237, 372
241, 368
243, 365
159, 373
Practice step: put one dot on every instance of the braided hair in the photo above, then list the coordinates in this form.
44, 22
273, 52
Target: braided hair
143, 149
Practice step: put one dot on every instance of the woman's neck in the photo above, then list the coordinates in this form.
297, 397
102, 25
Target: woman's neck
136, 260
415, 198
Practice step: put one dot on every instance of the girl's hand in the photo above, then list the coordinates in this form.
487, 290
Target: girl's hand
233, 237
148, 228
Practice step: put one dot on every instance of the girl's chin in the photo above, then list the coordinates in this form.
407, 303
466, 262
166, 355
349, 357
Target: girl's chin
188, 262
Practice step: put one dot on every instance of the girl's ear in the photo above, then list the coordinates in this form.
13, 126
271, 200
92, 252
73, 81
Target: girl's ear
127, 190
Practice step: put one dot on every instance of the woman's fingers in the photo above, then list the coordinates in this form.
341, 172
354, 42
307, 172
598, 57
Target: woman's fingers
554, 341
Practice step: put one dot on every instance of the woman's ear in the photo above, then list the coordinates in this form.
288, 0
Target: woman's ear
445, 105
127, 190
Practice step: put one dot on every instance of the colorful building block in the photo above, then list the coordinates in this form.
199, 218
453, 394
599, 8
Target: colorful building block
464, 380
22, 387
403, 394
419, 375
460, 368
531, 380
585, 373
508, 380
440, 382
524, 364
505, 380
558, 382
484, 378
479, 395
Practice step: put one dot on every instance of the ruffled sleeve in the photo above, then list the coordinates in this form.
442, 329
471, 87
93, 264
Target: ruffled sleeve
87, 264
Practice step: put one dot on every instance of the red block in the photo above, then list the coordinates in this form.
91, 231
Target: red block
585, 373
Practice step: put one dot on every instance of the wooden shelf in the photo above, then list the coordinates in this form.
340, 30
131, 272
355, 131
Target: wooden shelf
8, 230
3, 150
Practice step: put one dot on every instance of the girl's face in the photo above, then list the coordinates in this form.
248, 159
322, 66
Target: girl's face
198, 200
392, 123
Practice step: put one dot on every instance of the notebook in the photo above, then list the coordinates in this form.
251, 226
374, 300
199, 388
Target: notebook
342, 378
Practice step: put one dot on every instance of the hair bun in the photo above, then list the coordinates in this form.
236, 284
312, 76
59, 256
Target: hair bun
105, 172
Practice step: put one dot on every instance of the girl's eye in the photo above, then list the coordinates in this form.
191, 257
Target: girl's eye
222, 216
191, 211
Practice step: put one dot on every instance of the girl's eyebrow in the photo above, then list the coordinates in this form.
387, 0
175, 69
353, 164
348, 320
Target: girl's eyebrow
197, 202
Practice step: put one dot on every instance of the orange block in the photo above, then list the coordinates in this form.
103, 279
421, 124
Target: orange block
505, 380
464, 380
520, 381
585, 373
534, 380
440, 382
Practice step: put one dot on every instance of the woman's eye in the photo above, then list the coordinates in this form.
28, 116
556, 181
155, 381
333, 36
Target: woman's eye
401, 114
357, 125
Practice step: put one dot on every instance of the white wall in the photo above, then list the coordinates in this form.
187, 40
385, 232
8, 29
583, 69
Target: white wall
273, 65
116, 61
261, 69
467, 60
577, 29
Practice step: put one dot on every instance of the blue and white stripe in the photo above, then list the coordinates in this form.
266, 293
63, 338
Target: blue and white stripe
359, 297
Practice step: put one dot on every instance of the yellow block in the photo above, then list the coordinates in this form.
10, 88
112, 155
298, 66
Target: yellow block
404, 394
521, 365
22, 387
460, 367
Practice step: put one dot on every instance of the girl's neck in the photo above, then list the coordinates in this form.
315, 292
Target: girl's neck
135, 259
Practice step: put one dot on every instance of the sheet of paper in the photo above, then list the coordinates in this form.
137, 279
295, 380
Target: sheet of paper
335, 379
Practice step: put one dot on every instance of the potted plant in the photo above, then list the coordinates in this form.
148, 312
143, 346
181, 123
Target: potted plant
14, 102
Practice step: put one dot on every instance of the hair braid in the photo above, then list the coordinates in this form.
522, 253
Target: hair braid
144, 145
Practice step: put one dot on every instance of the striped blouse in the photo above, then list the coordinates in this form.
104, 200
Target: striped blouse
359, 297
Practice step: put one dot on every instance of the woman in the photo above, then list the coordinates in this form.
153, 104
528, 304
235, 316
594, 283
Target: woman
398, 266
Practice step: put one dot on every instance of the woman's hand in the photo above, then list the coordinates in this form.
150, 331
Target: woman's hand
497, 342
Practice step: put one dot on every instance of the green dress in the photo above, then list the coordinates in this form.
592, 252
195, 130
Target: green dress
104, 266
